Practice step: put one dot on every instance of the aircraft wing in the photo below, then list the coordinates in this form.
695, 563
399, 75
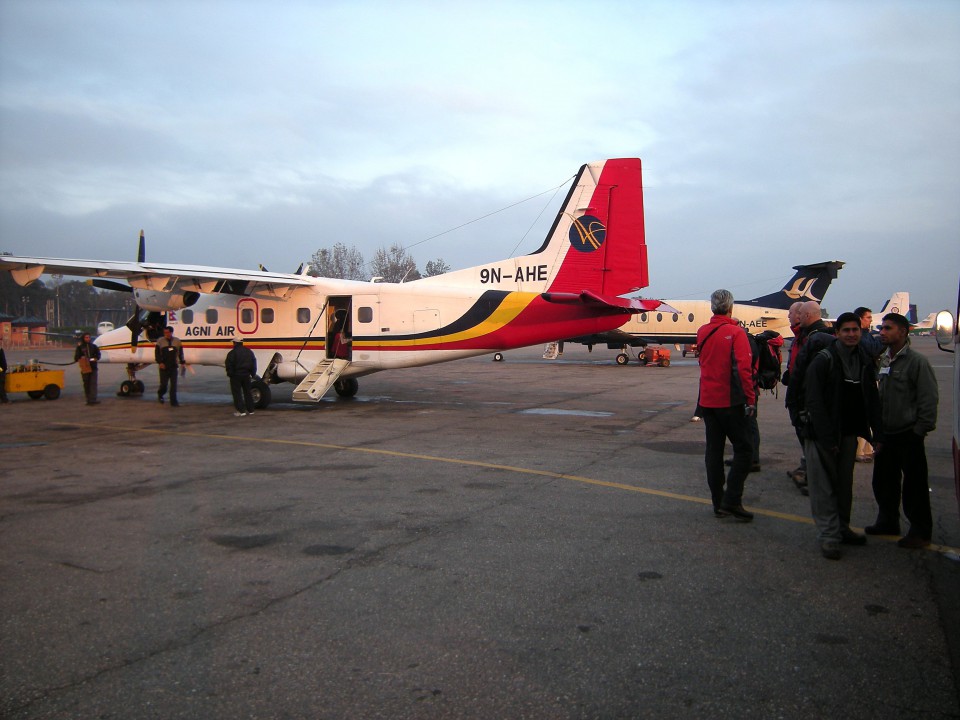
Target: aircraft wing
625, 305
149, 276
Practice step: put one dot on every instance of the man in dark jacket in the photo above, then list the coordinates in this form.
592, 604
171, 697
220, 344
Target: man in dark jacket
727, 399
908, 408
840, 404
88, 355
813, 337
169, 356
241, 365
874, 348
3, 377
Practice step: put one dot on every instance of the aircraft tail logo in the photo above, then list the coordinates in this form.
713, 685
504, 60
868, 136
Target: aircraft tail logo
795, 292
587, 233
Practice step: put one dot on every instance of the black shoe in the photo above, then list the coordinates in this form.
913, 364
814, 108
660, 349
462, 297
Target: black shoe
913, 542
879, 529
160, 399
830, 549
755, 467
719, 513
738, 512
849, 537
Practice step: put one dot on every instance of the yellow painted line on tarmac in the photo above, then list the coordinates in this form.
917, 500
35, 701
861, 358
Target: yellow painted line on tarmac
475, 463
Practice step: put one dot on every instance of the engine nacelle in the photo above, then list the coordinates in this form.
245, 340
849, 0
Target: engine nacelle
156, 301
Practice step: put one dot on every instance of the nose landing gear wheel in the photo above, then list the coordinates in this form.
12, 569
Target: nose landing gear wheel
347, 387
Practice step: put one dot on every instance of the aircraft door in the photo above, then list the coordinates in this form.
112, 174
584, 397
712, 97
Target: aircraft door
339, 339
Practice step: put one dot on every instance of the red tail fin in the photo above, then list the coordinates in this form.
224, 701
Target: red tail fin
598, 237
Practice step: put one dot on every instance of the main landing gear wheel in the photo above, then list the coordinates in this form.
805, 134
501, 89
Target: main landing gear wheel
623, 359
346, 387
261, 394
131, 388
498, 357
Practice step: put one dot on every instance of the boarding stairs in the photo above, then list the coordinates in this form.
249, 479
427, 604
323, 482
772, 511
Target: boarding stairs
320, 379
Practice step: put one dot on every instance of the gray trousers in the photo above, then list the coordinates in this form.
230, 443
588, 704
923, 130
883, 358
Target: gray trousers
830, 480
89, 386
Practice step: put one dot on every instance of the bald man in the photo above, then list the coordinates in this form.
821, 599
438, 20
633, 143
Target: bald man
813, 336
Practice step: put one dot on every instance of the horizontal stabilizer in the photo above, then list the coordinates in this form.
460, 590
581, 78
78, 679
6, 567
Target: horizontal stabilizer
626, 305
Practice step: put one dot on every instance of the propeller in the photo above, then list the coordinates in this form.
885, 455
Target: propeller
110, 285
134, 323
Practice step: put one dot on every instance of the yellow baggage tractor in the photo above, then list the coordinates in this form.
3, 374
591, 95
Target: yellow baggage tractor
36, 382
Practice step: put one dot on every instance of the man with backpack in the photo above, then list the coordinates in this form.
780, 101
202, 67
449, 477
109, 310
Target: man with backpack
841, 403
767, 360
726, 400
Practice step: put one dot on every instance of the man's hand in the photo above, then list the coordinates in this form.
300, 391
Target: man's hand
750, 411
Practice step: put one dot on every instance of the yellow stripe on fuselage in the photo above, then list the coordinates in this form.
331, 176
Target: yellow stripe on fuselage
508, 310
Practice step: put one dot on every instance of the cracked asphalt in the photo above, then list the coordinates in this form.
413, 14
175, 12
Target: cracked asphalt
526, 539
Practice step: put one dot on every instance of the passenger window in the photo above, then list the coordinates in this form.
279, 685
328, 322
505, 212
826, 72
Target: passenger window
659, 317
690, 317
365, 314
186, 316
643, 317
211, 316
266, 315
303, 315
246, 316
676, 317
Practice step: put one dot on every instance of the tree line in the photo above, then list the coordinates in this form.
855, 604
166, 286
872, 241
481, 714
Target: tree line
75, 304
393, 264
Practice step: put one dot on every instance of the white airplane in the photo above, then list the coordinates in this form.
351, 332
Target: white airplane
322, 332
767, 312
925, 326
898, 303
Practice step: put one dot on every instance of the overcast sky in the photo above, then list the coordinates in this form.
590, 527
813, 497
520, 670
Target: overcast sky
235, 133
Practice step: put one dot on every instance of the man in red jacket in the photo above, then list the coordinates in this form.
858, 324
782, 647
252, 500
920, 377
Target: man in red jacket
727, 399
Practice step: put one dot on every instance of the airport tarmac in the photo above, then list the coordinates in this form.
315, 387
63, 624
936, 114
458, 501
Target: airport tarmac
525, 539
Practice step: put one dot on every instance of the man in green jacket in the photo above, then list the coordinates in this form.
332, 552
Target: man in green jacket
908, 411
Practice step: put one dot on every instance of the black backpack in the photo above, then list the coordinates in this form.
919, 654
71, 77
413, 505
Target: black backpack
767, 358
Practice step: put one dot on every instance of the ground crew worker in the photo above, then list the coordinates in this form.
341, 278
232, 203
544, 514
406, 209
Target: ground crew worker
3, 377
87, 355
169, 356
241, 365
